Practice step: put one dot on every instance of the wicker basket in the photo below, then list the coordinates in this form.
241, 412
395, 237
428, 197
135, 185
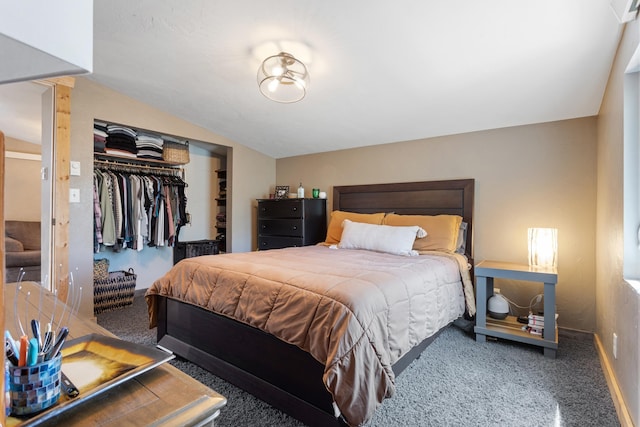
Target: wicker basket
175, 152
115, 292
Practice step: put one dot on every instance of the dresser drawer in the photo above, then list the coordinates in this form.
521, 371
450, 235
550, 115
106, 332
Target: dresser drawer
280, 209
277, 242
281, 227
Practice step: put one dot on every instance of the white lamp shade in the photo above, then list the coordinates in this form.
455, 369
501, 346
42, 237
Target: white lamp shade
543, 247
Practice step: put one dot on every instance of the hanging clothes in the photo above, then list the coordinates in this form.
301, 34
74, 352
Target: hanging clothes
136, 208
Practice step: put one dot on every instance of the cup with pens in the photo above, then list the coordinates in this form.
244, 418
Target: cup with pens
33, 370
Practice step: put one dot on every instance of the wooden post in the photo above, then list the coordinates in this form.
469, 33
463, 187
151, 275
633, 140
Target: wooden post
61, 159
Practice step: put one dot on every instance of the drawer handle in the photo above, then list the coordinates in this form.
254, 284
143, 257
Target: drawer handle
264, 226
295, 227
264, 243
295, 208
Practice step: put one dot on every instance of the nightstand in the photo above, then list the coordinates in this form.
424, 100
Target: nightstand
509, 328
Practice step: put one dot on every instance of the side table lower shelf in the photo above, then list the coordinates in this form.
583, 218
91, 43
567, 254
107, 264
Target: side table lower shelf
509, 328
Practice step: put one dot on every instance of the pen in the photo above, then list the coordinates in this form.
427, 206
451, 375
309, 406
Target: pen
35, 327
48, 338
11, 355
64, 331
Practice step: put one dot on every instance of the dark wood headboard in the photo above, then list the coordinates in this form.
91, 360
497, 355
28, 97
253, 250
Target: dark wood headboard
453, 197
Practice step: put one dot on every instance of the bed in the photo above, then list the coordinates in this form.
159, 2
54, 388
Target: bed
238, 343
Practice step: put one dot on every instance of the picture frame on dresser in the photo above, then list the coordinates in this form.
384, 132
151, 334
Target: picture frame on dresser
282, 191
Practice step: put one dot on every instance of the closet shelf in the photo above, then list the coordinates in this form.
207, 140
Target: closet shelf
134, 160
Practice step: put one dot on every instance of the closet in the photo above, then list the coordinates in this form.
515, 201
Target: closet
189, 176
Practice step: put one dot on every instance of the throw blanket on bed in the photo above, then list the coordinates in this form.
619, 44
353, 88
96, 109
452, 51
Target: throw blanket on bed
355, 311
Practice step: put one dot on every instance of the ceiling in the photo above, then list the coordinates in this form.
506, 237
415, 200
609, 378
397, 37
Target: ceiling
380, 71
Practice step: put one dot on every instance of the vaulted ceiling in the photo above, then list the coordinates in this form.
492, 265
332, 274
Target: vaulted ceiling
380, 71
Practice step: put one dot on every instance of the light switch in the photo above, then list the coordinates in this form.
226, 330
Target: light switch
74, 195
75, 168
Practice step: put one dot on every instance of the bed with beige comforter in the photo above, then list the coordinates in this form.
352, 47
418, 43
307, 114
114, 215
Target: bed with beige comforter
355, 311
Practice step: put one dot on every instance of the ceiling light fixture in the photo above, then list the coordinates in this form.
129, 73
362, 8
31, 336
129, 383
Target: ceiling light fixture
283, 78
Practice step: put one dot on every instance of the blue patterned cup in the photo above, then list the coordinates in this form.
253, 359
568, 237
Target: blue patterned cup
34, 388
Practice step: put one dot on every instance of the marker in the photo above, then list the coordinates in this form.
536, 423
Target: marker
32, 354
24, 349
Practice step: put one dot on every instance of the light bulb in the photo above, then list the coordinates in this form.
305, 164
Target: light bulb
277, 70
273, 85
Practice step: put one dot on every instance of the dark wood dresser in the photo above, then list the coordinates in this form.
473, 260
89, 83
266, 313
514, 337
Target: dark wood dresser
291, 222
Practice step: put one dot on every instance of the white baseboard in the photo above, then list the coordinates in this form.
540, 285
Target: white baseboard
621, 408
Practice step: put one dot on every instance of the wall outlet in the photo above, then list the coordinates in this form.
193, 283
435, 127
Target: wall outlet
74, 195
615, 345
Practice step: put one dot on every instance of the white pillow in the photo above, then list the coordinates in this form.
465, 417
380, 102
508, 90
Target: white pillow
391, 239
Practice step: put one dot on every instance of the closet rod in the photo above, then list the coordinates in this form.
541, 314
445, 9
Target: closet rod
106, 164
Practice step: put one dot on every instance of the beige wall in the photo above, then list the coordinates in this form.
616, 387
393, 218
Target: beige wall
617, 304
22, 182
539, 175
249, 173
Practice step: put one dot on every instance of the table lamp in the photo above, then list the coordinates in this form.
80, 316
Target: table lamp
543, 247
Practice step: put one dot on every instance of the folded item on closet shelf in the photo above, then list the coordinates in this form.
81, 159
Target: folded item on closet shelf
98, 146
116, 129
118, 152
154, 150
149, 147
121, 143
146, 154
99, 132
144, 137
121, 137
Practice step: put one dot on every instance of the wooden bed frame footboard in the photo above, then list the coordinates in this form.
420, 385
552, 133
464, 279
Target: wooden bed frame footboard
278, 373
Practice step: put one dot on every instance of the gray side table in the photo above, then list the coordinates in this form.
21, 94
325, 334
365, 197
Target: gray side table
510, 328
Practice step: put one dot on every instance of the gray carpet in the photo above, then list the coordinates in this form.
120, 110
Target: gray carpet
456, 382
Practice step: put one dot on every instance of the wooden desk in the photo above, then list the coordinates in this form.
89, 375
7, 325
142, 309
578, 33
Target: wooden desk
163, 396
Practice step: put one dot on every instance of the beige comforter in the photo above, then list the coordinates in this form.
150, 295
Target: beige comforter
357, 312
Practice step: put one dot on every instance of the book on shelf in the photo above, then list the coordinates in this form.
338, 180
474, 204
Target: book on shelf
534, 321
535, 325
533, 331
